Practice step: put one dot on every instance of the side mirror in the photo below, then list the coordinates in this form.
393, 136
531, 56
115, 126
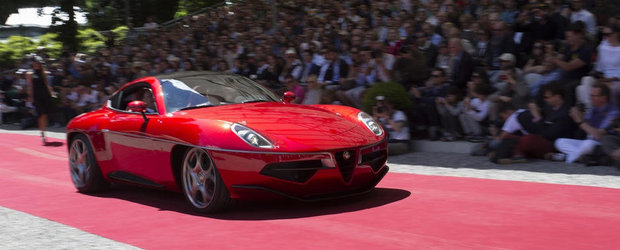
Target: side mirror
137, 106
288, 97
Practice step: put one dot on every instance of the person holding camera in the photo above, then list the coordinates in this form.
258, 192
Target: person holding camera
607, 68
610, 143
475, 114
575, 62
449, 109
425, 99
512, 88
395, 123
593, 123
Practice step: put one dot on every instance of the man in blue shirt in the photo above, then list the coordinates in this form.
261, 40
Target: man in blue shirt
593, 123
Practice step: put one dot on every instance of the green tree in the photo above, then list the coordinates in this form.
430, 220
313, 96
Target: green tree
21, 46
51, 44
104, 17
6, 55
189, 6
66, 29
91, 40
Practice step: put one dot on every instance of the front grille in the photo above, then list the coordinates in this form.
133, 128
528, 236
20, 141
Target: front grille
296, 171
346, 165
375, 159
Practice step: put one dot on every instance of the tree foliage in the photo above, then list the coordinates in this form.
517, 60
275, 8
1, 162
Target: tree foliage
101, 14
21, 46
104, 17
189, 6
52, 46
17, 47
107, 14
91, 40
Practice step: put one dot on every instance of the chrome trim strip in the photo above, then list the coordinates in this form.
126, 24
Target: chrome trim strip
331, 156
218, 149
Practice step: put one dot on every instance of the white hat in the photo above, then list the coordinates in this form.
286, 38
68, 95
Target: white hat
380, 98
290, 51
507, 57
172, 58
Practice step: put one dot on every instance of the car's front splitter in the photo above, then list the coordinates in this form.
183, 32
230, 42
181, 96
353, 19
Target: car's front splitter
302, 176
315, 197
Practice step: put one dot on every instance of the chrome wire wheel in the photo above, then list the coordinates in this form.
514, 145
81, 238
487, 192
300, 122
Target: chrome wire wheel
79, 163
85, 172
199, 178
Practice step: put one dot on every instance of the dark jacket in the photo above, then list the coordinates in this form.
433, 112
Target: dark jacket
329, 74
553, 125
462, 70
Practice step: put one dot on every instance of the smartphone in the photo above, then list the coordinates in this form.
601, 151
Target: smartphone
581, 107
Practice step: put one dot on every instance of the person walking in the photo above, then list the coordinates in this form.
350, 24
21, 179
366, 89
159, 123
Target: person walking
40, 93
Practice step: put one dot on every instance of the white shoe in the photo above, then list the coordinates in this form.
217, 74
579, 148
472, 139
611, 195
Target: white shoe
555, 156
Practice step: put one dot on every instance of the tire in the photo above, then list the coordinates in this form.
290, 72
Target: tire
202, 184
83, 167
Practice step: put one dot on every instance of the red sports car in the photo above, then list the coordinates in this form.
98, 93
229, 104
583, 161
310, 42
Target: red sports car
217, 137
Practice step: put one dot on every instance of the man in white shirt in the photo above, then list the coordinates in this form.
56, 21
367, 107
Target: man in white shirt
581, 14
476, 113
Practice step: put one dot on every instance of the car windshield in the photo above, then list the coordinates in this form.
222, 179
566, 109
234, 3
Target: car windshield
212, 90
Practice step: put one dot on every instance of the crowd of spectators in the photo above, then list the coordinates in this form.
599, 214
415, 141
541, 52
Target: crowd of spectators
514, 74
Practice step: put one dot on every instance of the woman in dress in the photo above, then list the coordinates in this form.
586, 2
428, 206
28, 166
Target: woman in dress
40, 93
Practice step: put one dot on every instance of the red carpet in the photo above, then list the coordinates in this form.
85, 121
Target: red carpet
407, 212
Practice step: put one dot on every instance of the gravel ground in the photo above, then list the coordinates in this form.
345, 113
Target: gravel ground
20, 230
453, 164
23, 231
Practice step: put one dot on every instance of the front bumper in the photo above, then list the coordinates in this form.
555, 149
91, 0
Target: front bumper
302, 176
318, 197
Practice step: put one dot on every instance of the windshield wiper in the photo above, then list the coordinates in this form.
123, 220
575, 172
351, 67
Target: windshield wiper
198, 106
251, 101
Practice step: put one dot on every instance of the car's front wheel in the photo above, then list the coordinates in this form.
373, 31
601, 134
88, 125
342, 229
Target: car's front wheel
202, 184
85, 173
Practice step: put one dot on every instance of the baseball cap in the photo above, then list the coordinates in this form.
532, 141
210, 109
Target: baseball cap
291, 51
507, 57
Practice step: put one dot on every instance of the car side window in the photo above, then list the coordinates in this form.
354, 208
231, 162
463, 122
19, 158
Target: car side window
139, 92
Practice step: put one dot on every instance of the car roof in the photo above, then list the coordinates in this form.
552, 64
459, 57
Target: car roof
186, 74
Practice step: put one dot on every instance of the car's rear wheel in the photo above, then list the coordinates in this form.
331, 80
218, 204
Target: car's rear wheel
202, 184
85, 173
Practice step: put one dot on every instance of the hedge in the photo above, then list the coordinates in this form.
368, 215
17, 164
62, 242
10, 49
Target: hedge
395, 93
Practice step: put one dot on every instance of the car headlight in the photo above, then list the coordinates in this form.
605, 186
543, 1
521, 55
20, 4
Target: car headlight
370, 123
250, 136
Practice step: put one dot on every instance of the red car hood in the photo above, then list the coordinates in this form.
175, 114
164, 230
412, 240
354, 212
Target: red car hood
292, 127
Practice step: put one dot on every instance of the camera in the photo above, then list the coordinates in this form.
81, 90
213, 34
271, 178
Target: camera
380, 110
581, 107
